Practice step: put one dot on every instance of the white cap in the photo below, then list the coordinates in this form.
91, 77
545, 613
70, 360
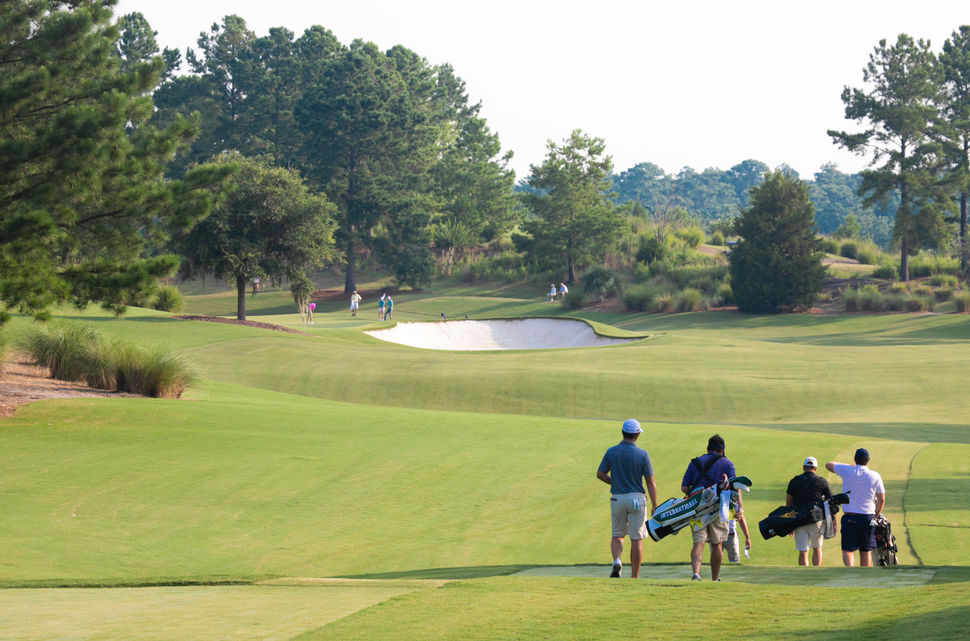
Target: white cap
810, 462
631, 426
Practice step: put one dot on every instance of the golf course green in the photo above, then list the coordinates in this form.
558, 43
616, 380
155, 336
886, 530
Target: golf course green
329, 485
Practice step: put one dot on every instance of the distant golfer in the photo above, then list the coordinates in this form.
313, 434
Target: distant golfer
388, 308
806, 490
551, 296
380, 307
867, 495
563, 290
625, 467
355, 299
705, 471
309, 312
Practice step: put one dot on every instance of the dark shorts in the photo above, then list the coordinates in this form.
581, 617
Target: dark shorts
857, 534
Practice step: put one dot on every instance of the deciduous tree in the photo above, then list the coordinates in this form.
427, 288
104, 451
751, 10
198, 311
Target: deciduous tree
267, 226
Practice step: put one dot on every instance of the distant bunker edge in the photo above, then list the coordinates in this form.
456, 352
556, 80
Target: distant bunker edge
484, 335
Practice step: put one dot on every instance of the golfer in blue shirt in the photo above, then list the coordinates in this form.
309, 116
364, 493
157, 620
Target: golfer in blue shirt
626, 468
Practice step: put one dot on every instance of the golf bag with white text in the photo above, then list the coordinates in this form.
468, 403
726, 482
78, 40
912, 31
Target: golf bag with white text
698, 509
885, 552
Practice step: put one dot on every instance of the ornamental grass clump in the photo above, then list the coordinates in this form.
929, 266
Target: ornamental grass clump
63, 348
156, 373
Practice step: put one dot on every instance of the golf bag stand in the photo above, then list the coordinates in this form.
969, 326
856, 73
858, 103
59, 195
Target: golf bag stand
885, 552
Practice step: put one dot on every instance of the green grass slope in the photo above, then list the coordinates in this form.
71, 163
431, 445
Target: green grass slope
337, 455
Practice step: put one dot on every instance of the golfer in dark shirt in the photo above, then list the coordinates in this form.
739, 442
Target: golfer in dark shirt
806, 490
626, 468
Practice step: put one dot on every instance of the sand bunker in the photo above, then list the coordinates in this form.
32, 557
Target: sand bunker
471, 335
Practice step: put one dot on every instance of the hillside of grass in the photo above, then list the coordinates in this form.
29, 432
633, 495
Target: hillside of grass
414, 476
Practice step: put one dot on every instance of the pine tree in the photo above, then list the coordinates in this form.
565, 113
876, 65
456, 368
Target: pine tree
777, 265
81, 191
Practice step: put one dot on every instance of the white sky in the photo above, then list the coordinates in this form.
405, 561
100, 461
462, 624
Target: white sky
699, 84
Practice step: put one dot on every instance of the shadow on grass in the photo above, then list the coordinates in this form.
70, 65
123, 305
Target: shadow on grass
915, 432
466, 572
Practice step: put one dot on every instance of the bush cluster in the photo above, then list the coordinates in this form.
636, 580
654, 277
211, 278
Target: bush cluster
75, 352
868, 298
508, 266
168, 299
962, 301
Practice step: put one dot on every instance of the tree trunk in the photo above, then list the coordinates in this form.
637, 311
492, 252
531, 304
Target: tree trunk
964, 259
350, 278
904, 260
572, 270
240, 297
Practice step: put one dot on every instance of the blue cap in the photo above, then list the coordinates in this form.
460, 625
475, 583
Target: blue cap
631, 426
863, 454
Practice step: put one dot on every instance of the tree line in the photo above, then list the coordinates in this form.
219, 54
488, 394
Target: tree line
265, 156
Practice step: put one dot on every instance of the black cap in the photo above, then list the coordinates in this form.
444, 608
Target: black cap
862, 455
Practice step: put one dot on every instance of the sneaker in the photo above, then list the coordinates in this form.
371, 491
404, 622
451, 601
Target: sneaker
718, 580
696, 577
615, 572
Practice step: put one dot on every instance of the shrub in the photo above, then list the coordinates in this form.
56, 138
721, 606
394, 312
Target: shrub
650, 249
663, 303
923, 290
830, 246
943, 294
63, 348
919, 304
168, 299
687, 300
641, 273
943, 280
724, 294
692, 236
638, 298
897, 288
572, 300
962, 301
156, 373
868, 253
886, 269
848, 250
601, 282
927, 263
717, 238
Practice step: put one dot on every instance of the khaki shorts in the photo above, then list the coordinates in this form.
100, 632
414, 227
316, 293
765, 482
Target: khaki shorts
715, 532
629, 515
809, 536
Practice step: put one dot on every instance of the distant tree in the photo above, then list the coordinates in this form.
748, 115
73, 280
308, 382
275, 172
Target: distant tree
707, 195
898, 109
576, 221
744, 176
137, 45
850, 228
955, 60
777, 265
83, 202
267, 226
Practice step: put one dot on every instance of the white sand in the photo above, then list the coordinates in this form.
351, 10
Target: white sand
472, 335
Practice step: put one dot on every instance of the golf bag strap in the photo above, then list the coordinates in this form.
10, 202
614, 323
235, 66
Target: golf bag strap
696, 462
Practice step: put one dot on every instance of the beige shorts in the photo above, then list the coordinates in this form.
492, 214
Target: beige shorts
809, 536
629, 515
715, 532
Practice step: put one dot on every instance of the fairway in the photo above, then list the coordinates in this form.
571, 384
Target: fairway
409, 487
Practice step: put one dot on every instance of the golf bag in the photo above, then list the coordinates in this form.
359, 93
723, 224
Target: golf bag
698, 509
785, 519
885, 552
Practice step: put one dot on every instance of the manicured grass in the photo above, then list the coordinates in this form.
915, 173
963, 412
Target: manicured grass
337, 455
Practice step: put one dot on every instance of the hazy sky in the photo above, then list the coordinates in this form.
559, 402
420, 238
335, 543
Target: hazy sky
699, 84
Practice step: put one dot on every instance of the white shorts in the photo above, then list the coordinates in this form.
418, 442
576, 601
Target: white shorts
353, 306
809, 536
629, 515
